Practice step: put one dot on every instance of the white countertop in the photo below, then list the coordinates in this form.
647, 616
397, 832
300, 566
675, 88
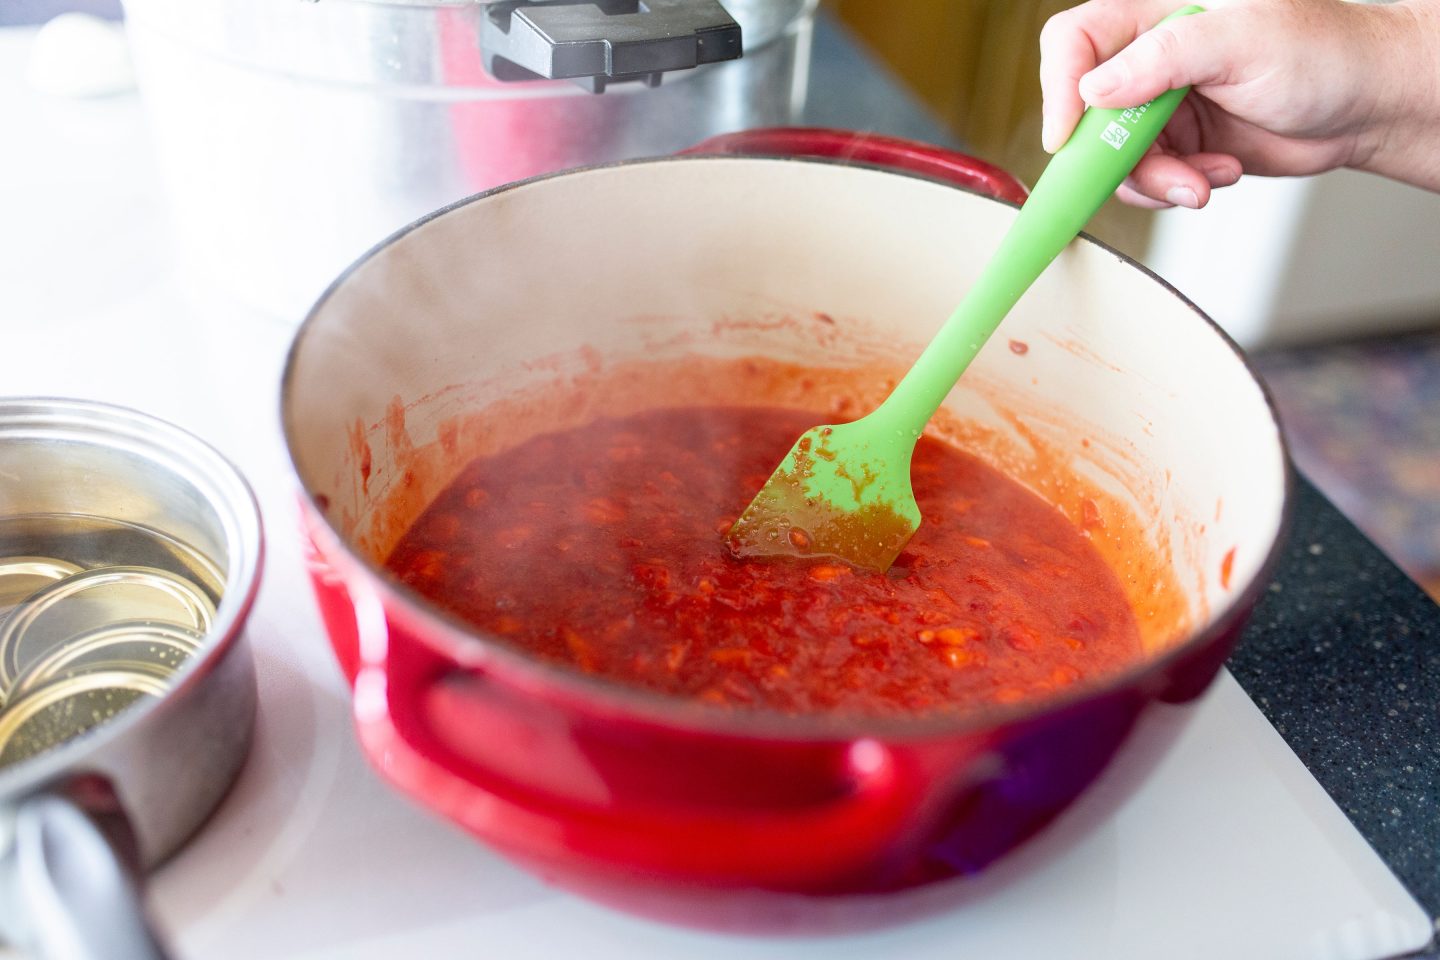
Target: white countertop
1228, 848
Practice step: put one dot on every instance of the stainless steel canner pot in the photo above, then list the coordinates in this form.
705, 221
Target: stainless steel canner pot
295, 134
81, 822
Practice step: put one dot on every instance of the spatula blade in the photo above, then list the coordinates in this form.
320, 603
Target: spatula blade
840, 492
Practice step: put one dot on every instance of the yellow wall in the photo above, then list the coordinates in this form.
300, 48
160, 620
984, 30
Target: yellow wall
976, 63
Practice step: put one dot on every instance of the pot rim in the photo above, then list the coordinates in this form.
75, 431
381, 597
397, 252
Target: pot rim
232, 498
617, 698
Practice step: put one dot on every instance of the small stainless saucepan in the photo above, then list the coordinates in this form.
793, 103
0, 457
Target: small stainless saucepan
81, 822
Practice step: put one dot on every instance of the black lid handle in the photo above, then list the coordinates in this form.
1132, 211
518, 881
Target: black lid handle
598, 42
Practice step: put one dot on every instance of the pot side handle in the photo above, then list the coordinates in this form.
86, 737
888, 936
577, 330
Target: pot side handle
888, 807
77, 896
891, 153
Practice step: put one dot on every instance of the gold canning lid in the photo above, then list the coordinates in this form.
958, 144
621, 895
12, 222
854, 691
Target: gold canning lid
133, 646
92, 542
86, 601
22, 576
59, 712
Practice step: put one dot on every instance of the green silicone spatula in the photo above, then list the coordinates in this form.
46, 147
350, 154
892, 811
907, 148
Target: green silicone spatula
844, 490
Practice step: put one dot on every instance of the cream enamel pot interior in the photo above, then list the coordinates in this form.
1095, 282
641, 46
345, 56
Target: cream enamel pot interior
663, 806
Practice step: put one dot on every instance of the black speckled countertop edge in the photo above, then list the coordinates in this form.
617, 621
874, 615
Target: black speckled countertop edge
1343, 657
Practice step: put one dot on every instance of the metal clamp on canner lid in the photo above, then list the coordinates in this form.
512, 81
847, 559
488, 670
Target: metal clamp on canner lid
599, 42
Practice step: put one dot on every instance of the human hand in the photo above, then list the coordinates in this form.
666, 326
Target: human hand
1279, 87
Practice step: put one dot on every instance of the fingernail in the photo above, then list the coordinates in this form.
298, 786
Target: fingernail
1222, 176
1047, 135
1100, 82
1183, 197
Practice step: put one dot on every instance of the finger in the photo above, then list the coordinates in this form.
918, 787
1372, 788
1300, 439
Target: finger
1072, 43
1171, 180
1135, 198
1166, 180
1220, 169
1068, 51
1191, 51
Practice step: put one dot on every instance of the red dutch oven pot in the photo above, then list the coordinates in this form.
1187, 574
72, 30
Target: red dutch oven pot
743, 248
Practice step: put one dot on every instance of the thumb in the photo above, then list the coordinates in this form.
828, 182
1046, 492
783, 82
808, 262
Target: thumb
1185, 52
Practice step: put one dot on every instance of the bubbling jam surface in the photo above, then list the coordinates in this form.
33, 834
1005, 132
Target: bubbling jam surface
603, 549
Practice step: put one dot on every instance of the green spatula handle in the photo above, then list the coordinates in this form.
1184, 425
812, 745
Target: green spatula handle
1083, 174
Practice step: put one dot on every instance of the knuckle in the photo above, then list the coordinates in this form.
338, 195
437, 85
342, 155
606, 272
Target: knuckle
1069, 22
1058, 21
1056, 28
1164, 43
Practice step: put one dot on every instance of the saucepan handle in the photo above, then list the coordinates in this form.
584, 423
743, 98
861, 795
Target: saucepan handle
892, 153
68, 890
797, 848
